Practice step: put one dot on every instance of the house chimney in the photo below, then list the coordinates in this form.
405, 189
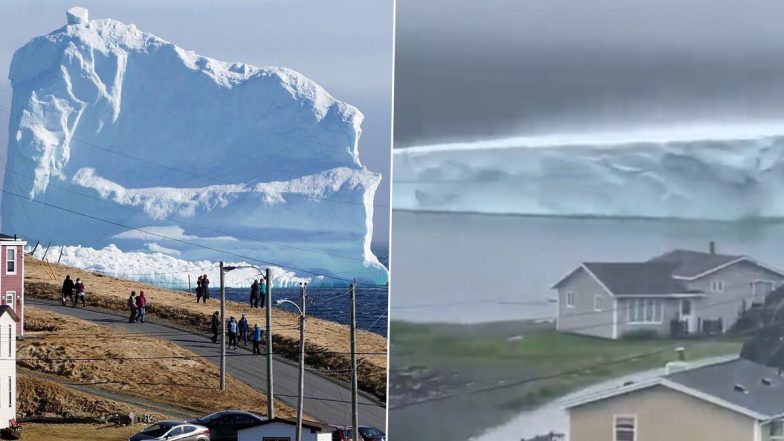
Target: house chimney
712, 247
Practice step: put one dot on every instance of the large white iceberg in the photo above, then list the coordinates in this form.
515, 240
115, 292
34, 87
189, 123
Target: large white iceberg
714, 173
119, 124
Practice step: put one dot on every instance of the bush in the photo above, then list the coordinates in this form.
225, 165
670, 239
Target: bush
640, 334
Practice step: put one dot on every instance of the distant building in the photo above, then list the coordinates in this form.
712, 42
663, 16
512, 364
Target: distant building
680, 292
737, 400
12, 277
8, 326
285, 429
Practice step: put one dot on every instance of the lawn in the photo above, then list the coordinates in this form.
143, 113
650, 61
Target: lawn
491, 356
77, 432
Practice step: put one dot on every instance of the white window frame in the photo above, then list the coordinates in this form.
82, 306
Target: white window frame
12, 249
569, 296
598, 303
11, 295
642, 304
771, 436
717, 285
10, 342
615, 423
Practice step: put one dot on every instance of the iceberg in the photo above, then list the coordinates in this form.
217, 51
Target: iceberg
724, 173
198, 155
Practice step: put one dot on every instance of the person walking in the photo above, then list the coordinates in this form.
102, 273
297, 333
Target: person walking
232, 333
67, 290
256, 339
215, 323
141, 305
254, 294
243, 335
199, 291
132, 307
79, 286
205, 286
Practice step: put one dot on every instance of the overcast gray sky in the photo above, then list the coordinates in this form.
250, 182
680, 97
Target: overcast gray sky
344, 45
469, 69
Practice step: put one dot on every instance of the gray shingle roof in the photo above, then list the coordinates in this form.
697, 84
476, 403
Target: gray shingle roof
719, 380
5, 236
692, 263
637, 277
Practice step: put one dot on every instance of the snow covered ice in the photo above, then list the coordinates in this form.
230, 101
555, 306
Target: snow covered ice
712, 173
117, 123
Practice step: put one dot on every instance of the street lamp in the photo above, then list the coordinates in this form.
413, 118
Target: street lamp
270, 391
301, 399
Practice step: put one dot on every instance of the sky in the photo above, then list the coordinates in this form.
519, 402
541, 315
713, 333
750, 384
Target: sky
344, 45
469, 70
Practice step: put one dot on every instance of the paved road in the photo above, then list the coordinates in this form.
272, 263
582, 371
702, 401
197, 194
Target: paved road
324, 399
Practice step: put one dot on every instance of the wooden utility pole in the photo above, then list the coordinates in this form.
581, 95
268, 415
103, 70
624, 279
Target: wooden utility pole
301, 400
268, 305
223, 331
354, 411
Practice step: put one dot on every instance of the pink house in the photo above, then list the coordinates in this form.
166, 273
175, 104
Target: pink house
12, 277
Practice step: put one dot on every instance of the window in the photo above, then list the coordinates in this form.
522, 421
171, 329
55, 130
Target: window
175, 432
625, 428
570, 299
10, 343
776, 430
717, 285
597, 302
10, 299
644, 311
10, 260
10, 386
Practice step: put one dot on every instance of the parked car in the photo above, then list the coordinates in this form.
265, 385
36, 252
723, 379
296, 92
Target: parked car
225, 424
173, 431
366, 433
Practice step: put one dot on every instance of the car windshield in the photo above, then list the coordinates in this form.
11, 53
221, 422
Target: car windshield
370, 431
157, 429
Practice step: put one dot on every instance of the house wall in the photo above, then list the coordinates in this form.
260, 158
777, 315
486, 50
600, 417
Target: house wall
13, 282
662, 415
737, 287
583, 319
281, 430
670, 310
7, 369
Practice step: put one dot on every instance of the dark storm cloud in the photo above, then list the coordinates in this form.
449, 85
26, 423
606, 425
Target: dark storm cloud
471, 69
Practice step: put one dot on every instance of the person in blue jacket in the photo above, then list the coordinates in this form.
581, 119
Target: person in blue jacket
232, 333
256, 338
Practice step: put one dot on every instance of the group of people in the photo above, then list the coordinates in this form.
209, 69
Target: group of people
202, 288
258, 293
238, 330
137, 305
72, 292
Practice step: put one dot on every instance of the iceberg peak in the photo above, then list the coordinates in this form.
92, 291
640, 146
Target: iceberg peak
77, 16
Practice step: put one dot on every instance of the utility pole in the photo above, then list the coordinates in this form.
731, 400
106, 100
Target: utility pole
301, 399
270, 394
223, 331
354, 412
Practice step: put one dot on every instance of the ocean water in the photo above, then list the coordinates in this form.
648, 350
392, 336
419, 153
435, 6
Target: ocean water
468, 268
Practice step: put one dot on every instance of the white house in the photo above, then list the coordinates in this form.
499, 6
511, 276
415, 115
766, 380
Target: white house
285, 429
8, 321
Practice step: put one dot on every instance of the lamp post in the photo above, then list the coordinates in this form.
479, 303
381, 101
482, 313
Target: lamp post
268, 278
301, 398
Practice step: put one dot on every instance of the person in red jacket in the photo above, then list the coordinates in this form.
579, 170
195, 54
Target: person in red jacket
141, 304
79, 286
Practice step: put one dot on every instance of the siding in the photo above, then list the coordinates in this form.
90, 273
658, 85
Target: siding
670, 310
7, 369
14, 282
281, 430
662, 415
583, 319
737, 287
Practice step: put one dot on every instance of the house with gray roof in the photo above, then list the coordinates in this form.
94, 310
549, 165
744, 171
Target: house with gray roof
736, 400
679, 292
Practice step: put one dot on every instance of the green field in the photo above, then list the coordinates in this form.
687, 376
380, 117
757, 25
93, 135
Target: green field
495, 355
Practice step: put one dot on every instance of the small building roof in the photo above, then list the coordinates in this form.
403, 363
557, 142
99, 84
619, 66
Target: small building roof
5, 309
688, 263
7, 237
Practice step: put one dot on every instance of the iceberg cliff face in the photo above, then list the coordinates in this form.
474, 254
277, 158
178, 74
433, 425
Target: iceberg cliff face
721, 173
117, 123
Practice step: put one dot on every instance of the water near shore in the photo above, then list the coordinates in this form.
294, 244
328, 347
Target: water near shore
467, 268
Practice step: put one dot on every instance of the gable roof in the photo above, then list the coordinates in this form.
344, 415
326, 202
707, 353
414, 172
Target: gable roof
5, 309
688, 263
637, 277
716, 384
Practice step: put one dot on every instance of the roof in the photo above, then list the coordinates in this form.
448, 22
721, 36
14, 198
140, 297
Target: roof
7, 309
313, 425
736, 385
690, 264
8, 237
637, 277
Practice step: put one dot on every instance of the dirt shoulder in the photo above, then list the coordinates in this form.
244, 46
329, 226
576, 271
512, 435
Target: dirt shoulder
327, 342
100, 357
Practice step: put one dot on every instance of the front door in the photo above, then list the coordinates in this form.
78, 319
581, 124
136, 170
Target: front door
687, 315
